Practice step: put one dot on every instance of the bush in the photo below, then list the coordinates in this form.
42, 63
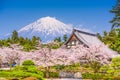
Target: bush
108, 78
31, 69
28, 63
59, 67
21, 74
92, 76
95, 66
116, 63
54, 74
27, 70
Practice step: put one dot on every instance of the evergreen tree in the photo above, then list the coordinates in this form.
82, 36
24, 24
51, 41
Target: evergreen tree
1, 43
116, 10
59, 39
9, 40
56, 40
34, 39
65, 38
14, 36
112, 39
104, 38
21, 40
38, 38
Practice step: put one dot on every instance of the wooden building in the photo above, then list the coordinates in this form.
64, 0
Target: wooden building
81, 37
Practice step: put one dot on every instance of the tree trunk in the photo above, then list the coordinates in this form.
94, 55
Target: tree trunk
47, 72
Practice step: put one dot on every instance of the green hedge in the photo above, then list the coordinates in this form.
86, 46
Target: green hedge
92, 76
28, 63
52, 74
20, 74
26, 70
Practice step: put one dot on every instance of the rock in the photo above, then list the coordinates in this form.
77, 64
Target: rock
77, 75
66, 74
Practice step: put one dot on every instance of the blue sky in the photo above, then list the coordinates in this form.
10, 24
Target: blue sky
91, 14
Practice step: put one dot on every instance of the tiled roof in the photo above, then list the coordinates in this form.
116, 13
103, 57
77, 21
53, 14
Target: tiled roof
87, 38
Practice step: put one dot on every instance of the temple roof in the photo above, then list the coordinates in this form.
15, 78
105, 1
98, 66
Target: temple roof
86, 37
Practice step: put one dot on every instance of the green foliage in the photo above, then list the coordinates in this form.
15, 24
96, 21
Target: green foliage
65, 38
57, 39
116, 63
59, 67
95, 66
27, 47
14, 36
52, 74
55, 47
28, 63
72, 67
28, 69
112, 39
28, 44
104, 68
92, 76
5, 43
20, 74
112, 70
116, 10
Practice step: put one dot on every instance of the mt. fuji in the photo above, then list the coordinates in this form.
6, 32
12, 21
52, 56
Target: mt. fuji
47, 28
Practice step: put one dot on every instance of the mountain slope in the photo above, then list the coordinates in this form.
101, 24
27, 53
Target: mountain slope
47, 28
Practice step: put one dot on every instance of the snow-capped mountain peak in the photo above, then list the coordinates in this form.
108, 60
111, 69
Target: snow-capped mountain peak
47, 28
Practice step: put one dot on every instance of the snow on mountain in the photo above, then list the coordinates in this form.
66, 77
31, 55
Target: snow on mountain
47, 28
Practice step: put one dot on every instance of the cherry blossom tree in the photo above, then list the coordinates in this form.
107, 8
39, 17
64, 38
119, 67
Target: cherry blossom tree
62, 56
0, 61
100, 53
10, 56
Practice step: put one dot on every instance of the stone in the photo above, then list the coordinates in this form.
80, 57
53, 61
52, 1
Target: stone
66, 74
77, 75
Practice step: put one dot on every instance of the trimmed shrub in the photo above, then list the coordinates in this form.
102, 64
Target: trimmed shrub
21, 74
52, 74
92, 76
28, 63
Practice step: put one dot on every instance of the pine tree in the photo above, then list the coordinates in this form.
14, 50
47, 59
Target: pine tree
14, 36
59, 39
116, 10
34, 39
65, 38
